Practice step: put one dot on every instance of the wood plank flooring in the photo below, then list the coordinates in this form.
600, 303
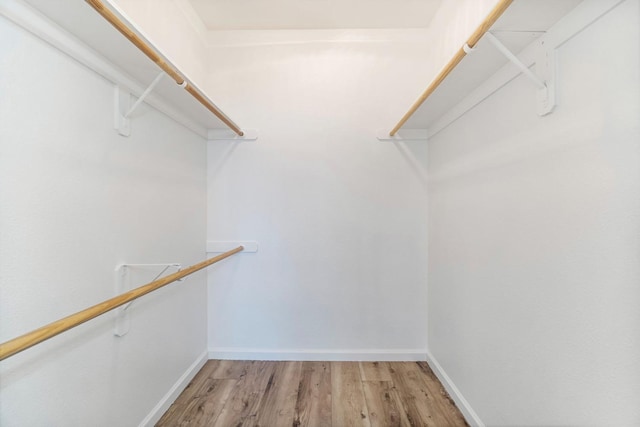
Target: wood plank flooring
313, 394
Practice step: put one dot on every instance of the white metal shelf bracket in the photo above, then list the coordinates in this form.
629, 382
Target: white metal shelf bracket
220, 246
122, 110
123, 284
545, 66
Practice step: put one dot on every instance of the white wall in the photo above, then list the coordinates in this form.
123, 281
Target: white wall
534, 228
339, 216
76, 200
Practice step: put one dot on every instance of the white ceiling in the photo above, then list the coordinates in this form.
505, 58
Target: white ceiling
314, 14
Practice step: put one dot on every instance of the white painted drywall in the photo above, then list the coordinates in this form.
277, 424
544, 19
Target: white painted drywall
534, 241
339, 216
76, 200
305, 15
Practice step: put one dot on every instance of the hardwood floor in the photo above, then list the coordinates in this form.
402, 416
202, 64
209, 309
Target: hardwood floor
313, 394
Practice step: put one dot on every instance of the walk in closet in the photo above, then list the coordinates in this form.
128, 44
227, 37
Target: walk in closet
279, 212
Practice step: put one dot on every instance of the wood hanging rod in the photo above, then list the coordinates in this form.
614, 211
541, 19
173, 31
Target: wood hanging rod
156, 57
23, 342
488, 22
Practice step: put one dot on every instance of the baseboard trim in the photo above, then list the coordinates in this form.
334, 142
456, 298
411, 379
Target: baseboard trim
373, 355
158, 411
467, 411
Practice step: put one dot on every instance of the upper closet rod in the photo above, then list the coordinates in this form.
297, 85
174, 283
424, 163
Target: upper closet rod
493, 16
157, 58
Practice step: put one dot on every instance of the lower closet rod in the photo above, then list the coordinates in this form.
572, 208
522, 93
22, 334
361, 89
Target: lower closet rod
23, 342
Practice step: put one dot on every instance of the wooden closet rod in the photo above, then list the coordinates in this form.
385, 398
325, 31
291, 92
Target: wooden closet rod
158, 59
23, 342
488, 22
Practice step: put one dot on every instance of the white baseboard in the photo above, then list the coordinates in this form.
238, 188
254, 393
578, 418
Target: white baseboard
374, 355
467, 411
158, 411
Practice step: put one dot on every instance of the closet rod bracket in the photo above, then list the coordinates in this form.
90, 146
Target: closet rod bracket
122, 110
146, 93
403, 135
123, 284
228, 135
543, 79
468, 49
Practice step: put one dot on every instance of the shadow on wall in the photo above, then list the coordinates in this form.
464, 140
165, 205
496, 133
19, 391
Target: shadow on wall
415, 154
222, 151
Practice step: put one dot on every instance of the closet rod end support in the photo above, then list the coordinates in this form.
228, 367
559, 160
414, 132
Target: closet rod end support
229, 135
468, 49
402, 135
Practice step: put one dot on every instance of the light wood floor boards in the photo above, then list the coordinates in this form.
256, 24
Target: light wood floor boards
313, 394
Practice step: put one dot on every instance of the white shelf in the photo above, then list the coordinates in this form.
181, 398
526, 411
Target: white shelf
82, 22
520, 25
